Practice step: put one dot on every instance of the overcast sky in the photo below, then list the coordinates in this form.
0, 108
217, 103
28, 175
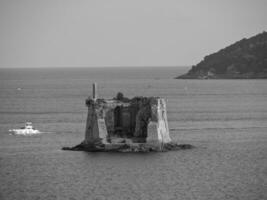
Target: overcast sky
61, 33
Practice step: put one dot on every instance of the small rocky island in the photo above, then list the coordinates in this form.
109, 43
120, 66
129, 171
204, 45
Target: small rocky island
126, 125
245, 59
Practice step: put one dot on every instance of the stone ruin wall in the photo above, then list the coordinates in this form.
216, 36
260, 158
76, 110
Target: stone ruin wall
127, 125
137, 120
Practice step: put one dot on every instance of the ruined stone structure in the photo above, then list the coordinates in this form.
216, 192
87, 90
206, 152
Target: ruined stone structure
126, 121
127, 125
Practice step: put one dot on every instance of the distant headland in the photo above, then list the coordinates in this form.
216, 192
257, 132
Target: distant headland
245, 59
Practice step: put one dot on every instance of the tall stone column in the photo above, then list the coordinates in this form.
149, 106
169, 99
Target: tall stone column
158, 130
96, 130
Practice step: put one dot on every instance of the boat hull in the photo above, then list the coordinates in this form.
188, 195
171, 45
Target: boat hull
24, 132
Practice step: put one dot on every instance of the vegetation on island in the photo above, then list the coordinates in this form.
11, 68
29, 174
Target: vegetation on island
245, 59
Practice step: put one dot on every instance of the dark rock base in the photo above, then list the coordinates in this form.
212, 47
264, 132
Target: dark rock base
138, 147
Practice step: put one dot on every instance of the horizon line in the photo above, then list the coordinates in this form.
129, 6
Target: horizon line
116, 66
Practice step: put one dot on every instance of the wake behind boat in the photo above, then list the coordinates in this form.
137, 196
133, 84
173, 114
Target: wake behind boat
28, 129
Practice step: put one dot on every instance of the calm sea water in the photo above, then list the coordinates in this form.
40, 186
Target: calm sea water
225, 119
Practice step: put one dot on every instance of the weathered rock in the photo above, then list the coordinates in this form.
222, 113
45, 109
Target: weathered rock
126, 148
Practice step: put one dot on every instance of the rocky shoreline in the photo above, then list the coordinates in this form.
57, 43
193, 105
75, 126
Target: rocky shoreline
223, 76
126, 148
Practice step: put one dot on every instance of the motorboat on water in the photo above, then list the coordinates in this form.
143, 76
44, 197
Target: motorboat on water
28, 129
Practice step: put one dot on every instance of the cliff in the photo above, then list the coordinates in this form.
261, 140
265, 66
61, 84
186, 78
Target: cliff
246, 58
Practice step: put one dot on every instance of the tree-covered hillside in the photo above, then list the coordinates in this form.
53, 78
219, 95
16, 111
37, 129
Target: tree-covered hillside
246, 58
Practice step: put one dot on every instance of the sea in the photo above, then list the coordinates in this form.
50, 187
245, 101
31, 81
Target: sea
225, 120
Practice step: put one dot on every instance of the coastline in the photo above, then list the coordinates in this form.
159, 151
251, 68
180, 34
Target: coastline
223, 76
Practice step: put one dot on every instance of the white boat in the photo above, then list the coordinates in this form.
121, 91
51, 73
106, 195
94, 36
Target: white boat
28, 129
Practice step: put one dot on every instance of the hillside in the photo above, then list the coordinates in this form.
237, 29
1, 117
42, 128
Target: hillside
246, 58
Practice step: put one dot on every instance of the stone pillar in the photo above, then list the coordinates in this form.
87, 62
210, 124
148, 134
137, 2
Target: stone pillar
164, 120
94, 91
91, 130
158, 129
96, 130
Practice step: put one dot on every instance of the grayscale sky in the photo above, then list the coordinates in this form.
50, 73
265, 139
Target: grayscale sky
61, 33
